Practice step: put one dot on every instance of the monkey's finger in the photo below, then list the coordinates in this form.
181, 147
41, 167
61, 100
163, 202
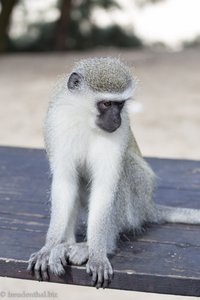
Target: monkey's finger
66, 256
88, 271
44, 271
33, 255
56, 267
45, 275
108, 275
37, 273
94, 277
100, 279
63, 260
37, 270
72, 251
72, 255
110, 272
106, 279
31, 264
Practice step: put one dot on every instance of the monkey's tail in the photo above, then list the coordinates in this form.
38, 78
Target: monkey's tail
168, 214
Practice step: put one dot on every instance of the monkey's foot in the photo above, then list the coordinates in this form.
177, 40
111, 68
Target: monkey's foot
101, 271
58, 259
38, 264
78, 253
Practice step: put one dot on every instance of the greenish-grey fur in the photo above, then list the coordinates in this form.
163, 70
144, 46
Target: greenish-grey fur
100, 74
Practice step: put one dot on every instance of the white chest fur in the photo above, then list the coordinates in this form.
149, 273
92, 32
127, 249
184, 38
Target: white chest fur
72, 137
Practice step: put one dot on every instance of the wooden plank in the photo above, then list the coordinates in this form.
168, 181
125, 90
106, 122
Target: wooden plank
123, 279
164, 259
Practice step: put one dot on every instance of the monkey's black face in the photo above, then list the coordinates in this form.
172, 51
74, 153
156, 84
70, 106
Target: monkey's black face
109, 118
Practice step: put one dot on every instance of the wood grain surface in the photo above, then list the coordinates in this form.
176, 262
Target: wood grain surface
164, 259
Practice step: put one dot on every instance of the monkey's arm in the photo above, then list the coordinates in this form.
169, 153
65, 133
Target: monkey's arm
62, 223
64, 206
64, 188
101, 228
99, 231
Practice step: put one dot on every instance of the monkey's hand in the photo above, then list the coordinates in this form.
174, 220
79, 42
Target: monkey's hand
100, 269
58, 258
38, 264
76, 253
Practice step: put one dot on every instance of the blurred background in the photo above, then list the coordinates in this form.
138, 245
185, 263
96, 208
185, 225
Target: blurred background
159, 40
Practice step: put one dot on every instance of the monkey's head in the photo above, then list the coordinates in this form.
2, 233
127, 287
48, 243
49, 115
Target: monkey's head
108, 83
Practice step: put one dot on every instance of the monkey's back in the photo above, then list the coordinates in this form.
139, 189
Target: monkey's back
134, 195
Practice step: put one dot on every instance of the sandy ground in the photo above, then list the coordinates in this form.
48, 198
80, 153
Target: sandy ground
167, 123
168, 94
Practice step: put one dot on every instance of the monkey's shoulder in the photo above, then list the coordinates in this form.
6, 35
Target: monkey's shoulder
133, 147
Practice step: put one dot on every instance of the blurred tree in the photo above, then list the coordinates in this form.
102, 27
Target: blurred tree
5, 16
63, 24
193, 43
74, 29
145, 2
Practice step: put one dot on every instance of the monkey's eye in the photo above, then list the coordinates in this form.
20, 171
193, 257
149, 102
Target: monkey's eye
120, 104
107, 103
104, 105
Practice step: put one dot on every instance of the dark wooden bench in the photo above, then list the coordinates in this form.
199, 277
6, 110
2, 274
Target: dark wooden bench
165, 259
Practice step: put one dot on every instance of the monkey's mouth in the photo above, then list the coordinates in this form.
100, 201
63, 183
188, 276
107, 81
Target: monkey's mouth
110, 126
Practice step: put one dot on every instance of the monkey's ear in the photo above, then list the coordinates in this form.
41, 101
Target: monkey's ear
74, 81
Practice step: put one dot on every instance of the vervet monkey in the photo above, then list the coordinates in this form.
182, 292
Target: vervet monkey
95, 161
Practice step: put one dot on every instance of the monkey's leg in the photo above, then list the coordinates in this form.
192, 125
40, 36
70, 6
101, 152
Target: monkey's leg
60, 253
176, 215
63, 196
